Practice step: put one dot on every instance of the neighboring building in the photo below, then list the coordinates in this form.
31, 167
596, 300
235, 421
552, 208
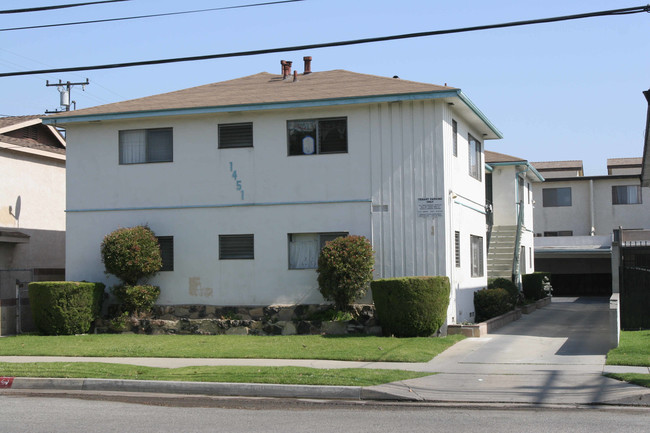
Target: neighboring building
245, 179
645, 171
510, 224
574, 220
32, 210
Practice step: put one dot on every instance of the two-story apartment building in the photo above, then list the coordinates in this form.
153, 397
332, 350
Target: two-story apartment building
576, 215
244, 180
32, 213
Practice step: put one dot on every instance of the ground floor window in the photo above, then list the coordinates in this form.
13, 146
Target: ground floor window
476, 247
166, 252
304, 248
236, 247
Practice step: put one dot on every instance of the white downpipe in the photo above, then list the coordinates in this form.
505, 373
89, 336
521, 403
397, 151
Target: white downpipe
592, 214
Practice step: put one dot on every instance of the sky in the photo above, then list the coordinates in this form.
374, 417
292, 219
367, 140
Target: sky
559, 91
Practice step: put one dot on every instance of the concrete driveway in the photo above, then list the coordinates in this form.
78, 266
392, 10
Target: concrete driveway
554, 355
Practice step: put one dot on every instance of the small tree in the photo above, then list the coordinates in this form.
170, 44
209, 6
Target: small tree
131, 254
345, 267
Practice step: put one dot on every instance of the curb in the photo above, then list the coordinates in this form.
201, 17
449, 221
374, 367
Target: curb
207, 388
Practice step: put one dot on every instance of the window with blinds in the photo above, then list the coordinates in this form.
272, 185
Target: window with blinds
232, 135
236, 247
141, 146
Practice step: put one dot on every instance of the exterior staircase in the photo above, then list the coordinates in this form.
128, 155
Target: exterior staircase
501, 251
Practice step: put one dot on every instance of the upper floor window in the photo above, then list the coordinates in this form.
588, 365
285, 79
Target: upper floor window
474, 157
558, 233
457, 249
314, 136
555, 197
626, 194
235, 135
454, 128
140, 146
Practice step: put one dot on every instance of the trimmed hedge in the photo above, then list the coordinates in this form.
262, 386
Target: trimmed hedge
411, 306
534, 285
489, 303
136, 299
345, 269
131, 254
65, 307
508, 286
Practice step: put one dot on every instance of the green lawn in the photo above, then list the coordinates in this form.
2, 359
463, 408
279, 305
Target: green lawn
233, 374
366, 348
633, 349
634, 378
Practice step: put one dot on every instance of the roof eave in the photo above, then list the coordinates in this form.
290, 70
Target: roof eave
439, 94
527, 164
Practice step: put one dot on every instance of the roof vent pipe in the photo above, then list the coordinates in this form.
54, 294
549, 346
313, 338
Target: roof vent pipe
295, 76
307, 60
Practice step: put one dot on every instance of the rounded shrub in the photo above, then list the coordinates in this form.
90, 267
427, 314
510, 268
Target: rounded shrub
411, 306
65, 307
131, 254
345, 267
489, 303
136, 299
536, 285
508, 286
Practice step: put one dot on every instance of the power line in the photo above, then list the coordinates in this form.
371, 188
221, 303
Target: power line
625, 11
106, 20
65, 6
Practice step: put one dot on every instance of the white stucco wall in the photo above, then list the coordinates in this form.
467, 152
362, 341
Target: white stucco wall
397, 152
38, 184
606, 216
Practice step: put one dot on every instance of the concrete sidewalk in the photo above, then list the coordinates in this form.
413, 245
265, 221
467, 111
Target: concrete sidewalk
553, 356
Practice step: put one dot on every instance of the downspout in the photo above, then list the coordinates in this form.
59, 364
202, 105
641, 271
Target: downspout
592, 214
516, 271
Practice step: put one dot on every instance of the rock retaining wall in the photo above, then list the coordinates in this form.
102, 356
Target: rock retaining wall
271, 320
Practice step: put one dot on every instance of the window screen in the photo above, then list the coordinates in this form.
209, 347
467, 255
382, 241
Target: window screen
236, 247
235, 135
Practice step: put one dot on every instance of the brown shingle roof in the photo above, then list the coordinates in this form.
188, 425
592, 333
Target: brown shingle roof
625, 162
15, 120
266, 88
558, 165
31, 144
500, 157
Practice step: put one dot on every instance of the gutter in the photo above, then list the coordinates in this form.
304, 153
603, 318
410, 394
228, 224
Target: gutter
529, 167
456, 93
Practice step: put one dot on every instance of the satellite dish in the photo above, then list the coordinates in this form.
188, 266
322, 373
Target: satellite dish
17, 209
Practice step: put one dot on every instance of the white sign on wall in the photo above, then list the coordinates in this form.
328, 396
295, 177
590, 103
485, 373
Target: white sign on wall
431, 207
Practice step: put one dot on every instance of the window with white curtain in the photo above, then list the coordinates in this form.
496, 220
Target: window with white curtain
304, 248
140, 146
626, 194
476, 247
474, 157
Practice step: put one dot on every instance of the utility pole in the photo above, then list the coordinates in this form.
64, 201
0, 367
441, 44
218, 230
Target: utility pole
64, 89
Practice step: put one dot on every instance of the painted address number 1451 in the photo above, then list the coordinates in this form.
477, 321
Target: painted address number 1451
238, 184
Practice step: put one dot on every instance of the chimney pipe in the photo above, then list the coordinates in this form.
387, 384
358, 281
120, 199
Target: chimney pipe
295, 76
307, 60
287, 68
